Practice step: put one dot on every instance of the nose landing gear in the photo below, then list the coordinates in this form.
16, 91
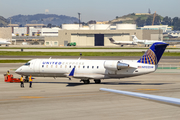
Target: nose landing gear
26, 79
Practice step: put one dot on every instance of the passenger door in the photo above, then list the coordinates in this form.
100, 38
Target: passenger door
37, 64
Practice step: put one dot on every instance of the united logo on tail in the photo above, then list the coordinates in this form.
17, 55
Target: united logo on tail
148, 58
153, 54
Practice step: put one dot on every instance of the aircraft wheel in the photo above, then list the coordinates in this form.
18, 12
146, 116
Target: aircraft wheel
26, 79
97, 81
86, 81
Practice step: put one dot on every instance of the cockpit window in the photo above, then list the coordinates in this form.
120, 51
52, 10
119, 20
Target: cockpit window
27, 64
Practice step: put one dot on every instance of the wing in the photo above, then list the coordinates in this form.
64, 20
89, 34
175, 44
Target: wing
170, 100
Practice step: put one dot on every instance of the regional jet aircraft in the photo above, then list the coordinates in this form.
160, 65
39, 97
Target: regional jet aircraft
96, 70
4, 42
122, 42
145, 42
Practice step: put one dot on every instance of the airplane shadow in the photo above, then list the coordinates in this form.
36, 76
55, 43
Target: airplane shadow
73, 84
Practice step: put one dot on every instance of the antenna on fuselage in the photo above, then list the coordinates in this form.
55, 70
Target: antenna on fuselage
50, 58
80, 56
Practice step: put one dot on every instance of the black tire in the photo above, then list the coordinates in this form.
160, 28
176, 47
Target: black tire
97, 81
86, 81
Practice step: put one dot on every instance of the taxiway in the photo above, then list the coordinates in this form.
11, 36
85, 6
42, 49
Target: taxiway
60, 98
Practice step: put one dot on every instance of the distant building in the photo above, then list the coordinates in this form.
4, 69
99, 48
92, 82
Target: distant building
174, 34
98, 34
142, 14
32, 33
34, 30
103, 22
5, 33
165, 28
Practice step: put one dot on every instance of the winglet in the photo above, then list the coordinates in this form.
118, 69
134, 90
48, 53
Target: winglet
72, 72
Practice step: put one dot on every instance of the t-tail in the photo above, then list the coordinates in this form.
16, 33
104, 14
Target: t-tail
153, 54
135, 39
111, 40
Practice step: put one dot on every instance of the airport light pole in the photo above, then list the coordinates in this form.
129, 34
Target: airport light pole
79, 14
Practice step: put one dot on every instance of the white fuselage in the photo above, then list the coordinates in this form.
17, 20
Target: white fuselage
4, 42
146, 42
124, 43
84, 69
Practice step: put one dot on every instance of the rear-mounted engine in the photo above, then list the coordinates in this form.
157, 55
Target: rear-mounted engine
115, 65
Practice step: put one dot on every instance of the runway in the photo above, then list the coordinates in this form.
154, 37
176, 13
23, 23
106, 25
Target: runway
71, 100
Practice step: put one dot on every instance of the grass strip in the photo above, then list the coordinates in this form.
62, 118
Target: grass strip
7, 53
14, 61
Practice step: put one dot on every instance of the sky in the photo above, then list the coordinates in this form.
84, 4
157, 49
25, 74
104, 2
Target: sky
99, 10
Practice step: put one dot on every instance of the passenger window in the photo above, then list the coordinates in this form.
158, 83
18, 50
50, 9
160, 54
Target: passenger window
56, 66
92, 67
83, 66
51, 66
97, 67
60, 66
78, 66
65, 66
69, 66
46, 66
87, 66
42, 65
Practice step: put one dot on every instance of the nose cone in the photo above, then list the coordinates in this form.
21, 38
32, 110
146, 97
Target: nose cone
19, 70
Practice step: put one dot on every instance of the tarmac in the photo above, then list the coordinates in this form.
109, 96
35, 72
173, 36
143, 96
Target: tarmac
61, 98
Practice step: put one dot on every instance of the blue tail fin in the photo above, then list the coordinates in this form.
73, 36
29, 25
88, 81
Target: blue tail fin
153, 54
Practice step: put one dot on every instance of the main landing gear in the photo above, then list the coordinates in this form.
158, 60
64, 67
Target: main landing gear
85, 81
97, 81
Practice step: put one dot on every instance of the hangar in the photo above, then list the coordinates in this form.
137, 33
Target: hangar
98, 34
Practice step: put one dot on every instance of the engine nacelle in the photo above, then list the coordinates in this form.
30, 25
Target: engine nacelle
115, 65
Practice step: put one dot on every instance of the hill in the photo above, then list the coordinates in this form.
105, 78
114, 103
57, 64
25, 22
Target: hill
132, 18
3, 21
42, 19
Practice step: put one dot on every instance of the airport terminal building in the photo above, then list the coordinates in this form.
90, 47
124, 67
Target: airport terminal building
83, 36
98, 34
